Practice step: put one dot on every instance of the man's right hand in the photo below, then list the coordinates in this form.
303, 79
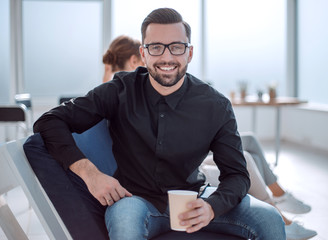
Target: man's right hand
106, 189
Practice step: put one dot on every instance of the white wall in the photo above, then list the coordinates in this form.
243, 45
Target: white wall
265, 121
304, 125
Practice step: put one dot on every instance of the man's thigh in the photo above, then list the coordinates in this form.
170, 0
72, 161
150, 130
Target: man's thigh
251, 219
86, 214
135, 218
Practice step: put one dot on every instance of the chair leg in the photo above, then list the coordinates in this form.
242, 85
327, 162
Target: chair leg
7, 138
17, 132
9, 224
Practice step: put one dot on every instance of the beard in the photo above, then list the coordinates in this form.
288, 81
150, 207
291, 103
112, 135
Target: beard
167, 80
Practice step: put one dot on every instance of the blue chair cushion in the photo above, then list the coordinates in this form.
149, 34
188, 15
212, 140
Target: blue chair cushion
96, 144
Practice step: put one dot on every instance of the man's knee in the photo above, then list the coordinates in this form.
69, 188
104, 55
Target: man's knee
270, 221
127, 219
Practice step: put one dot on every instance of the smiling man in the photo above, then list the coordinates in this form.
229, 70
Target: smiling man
163, 122
166, 68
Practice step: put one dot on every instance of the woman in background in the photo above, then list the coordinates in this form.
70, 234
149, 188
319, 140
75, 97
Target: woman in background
122, 55
284, 200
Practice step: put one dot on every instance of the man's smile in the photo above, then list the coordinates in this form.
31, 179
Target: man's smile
167, 68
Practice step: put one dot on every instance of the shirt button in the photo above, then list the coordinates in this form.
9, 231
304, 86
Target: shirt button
160, 142
161, 115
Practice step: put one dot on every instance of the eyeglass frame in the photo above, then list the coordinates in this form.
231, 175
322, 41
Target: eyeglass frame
187, 45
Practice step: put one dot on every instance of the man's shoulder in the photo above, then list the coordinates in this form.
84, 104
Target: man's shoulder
122, 81
200, 87
140, 72
125, 78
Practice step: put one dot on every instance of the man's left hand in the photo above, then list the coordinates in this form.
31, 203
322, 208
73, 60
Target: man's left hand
199, 215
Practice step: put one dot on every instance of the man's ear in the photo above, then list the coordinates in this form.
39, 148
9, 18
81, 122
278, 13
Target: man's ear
142, 55
191, 53
142, 52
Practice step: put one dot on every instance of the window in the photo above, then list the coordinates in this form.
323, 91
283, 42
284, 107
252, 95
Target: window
313, 50
62, 47
4, 52
246, 42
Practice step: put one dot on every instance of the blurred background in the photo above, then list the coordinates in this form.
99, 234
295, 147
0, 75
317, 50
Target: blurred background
53, 48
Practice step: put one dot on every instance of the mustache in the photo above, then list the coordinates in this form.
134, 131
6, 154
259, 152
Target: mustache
167, 64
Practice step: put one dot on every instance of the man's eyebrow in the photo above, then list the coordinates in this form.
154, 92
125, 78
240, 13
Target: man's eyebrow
153, 43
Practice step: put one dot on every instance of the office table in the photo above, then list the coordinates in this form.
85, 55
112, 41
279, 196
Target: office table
276, 103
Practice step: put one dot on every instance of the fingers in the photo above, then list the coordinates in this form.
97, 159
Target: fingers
196, 227
115, 194
199, 216
127, 193
109, 202
122, 192
102, 201
195, 209
110, 198
196, 212
106, 189
105, 199
118, 193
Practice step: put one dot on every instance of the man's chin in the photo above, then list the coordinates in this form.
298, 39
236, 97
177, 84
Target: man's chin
167, 82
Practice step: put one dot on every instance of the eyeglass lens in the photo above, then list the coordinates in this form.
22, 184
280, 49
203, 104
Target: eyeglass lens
175, 49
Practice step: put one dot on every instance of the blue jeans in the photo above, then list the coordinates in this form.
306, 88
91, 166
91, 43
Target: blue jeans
134, 218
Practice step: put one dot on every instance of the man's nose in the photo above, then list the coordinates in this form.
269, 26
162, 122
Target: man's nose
167, 54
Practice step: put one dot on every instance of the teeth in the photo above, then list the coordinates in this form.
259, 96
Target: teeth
166, 68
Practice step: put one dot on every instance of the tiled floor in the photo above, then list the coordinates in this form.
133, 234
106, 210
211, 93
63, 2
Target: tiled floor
302, 171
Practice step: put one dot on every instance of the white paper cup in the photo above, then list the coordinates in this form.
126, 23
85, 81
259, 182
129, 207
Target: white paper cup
178, 200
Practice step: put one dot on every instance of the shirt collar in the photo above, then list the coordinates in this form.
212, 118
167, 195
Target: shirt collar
172, 100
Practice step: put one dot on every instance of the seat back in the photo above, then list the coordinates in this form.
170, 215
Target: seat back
14, 115
24, 98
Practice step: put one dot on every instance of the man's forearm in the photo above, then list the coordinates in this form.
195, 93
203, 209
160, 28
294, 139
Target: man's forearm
84, 168
104, 188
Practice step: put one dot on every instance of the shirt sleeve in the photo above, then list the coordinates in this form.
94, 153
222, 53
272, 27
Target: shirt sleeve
228, 156
57, 125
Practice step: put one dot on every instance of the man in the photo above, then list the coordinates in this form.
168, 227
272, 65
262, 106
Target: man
163, 122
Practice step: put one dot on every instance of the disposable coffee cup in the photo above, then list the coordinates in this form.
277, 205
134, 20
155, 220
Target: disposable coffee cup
178, 200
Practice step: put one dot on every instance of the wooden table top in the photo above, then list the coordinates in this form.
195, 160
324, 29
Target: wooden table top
278, 101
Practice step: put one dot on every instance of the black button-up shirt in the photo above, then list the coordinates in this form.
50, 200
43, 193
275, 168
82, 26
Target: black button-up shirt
158, 141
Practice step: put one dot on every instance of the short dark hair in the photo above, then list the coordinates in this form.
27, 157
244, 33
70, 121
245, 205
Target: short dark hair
164, 16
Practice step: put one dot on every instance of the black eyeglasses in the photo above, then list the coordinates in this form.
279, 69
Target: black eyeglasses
157, 49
